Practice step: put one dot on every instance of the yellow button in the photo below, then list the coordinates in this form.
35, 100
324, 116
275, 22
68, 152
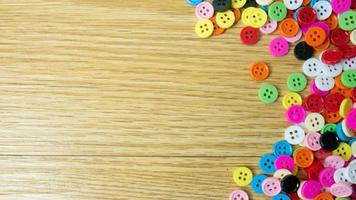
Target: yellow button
245, 16
238, 3
204, 28
291, 99
243, 176
258, 18
344, 150
225, 19
345, 107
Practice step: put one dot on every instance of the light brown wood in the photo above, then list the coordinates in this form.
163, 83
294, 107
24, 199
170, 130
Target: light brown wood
118, 99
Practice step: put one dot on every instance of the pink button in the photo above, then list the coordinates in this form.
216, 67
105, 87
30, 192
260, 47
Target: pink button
341, 190
295, 114
322, 25
271, 186
238, 195
269, 27
278, 47
315, 90
340, 6
294, 38
311, 141
326, 177
284, 162
335, 162
204, 10
351, 119
310, 189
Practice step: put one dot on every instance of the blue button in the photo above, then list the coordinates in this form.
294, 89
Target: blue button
265, 8
282, 148
267, 163
340, 133
194, 2
281, 197
256, 183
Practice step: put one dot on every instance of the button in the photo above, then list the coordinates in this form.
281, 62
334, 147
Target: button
340, 176
315, 36
282, 147
341, 190
351, 172
288, 27
257, 18
249, 35
339, 37
278, 47
331, 56
222, 5
326, 177
324, 196
323, 46
311, 141
332, 21
323, 9
348, 63
303, 51
314, 103
348, 51
204, 10
281, 197
194, 2
296, 82
290, 14
346, 131
281, 173
331, 117
271, 186
347, 20
310, 189
332, 70
250, 3
324, 83
291, 99
293, 5
237, 14
333, 102
345, 107
340, 6
314, 122
313, 67
217, 29
225, 19
340, 131
295, 114
245, 17
264, 2
238, 195
306, 16
294, 38
284, 162
269, 27
242, 176
303, 157
348, 78
353, 94
267, 163
259, 71
204, 28
268, 94
238, 3
277, 11
353, 146
256, 183
321, 154
315, 90
294, 134
314, 169
290, 184
344, 150
334, 161
329, 141
328, 128
353, 37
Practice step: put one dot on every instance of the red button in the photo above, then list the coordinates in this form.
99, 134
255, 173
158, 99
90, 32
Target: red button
339, 37
249, 35
353, 94
321, 154
314, 103
306, 16
290, 14
349, 51
314, 170
333, 101
294, 196
332, 56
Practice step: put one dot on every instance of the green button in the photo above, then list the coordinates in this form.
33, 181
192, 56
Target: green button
268, 94
296, 82
277, 11
347, 20
328, 128
348, 78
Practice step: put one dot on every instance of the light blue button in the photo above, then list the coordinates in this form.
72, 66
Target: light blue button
194, 2
281, 197
256, 183
267, 163
282, 147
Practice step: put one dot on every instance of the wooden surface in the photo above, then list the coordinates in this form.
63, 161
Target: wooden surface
114, 99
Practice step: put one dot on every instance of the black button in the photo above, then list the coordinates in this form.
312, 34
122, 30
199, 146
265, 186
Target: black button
290, 184
303, 51
250, 3
329, 141
221, 5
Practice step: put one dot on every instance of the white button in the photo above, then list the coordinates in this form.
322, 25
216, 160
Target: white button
313, 67
323, 9
264, 2
279, 174
294, 134
314, 122
348, 63
353, 37
332, 70
351, 172
348, 132
293, 4
340, 176
324, 83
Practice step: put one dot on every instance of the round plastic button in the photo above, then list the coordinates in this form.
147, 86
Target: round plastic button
271, 186
259, 71
323, 46
314, 122
314, 103
267, 163
268, 94
281, 173
290, 184
238, 195
306, 16
284, 162
204, 28
277, 11
269, 27
245, 17
303, 157
222, 5
288, 27
340, 6
281, 197
332, 21
249, 35
348, 63
348, 78
353, 37
331, 117
312, 141
333, 102
294, 134
313, 67
204, 10
256, 183
293, 5
328, 128
217, 29
332, 70
315, 36
310, 189
340, 176
282, 147
314, 169
258, 18
346, 131
238, 3
339, 37
351, 172
225, 19
340, 131
296, 82
323, 9
296, 114
329, 141
334, 161
344, 150
315, 90
322, 154
347, 20
303, 51
242, 176
326, 177
324, 83
324, 196
291, 99
341, 190
331, 56
278, 47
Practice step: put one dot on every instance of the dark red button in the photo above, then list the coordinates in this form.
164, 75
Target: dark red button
314, 103
332, 56
349, 51
249, 35
306, 16
333, 102
339, 37
290, 14
322, 154
353, 94
314, 170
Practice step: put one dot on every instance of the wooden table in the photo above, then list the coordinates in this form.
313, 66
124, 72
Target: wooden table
114, 99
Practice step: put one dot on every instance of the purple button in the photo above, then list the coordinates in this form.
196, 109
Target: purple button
326, 177
295, 114
311, 141
315, 90
310, 189
340, 6
278, 47
204, 10
284, 162
334, 161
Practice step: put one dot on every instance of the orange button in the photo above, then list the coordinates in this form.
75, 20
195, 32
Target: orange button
338, 82
237, 15
324, 196
315, 36
217, 29
259, 71
331, 117
323, 46
303, 157
345, 92
288, 27
331, 21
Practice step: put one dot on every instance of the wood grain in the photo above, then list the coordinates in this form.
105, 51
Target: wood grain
118, 99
